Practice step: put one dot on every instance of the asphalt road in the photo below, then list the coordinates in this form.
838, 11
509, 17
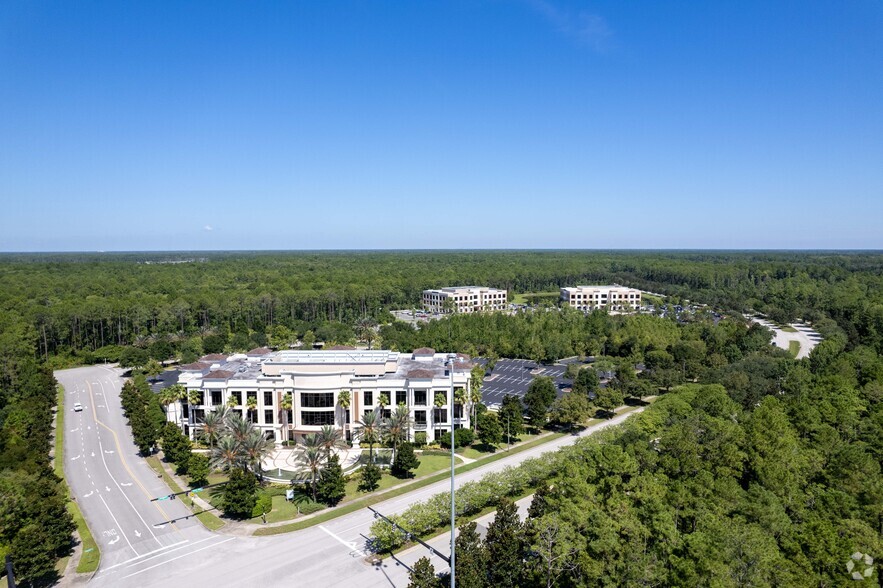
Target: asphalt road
186, 554
111, 483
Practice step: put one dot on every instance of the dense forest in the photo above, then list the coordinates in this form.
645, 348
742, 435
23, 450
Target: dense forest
83, 307
760, 471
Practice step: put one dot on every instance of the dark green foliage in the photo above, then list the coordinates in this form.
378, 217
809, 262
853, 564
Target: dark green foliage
133, 357
176, 446
422, 575
420, 438
370, 478
472, 560
511, 416
462, 438
571, 409
489, 430
262, 505
239, 495
405, 462
331, 486
145, 415
539, 397
198, 469
586, 382
504, 544
609, 398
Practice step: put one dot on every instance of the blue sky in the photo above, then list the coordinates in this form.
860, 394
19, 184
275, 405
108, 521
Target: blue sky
522, 124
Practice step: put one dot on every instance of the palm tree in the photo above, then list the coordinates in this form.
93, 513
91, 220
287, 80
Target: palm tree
370, 427
238, 428
226, 455
213, 425
255, 448
343, 401
286, 405
252, 403
330, 438
311, 461
475, 384
171, 395
383, 402
397, 427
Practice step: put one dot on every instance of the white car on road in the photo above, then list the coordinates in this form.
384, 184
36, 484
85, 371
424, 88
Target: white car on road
78, 407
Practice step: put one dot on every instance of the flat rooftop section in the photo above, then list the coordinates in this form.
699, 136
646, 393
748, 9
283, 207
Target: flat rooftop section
332, 357
597, 287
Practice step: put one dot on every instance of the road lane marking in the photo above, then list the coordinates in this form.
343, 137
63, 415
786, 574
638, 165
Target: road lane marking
179, 557
167, 547
104, 461
112, 541
117, 523
137, 533
126, 484
350, 544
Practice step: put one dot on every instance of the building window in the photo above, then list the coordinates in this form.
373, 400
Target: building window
401, 397
419, 417
217, 397
317, 399
268, 417
325, 417
268, 399
440, 415
368, 395
238, 397
458, 411
420, 397
252, 395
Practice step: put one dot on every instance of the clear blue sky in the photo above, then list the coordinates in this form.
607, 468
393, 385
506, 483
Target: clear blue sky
525, 124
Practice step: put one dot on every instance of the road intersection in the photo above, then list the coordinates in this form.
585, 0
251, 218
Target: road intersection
142, 547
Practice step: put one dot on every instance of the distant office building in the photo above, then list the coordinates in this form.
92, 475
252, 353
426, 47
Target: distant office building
613, 297
254, 384
461, 299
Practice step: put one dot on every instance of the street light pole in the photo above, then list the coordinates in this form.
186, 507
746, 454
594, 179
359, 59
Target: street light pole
451, 359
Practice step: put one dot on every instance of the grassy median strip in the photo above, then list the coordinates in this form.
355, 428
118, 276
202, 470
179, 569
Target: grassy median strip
210, 520
402, 489
91, 554
794, 348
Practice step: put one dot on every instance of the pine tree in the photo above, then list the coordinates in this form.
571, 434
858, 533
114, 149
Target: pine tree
331, 487
422, 575
405, 462
370, 478
198, 469
239, 494
504, 545
472, 560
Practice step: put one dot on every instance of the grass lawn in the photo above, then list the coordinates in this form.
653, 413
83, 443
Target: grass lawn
91, 554
793, 348
479, 450
788, 328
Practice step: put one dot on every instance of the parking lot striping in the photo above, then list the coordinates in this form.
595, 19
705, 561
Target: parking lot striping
179, 557
155, 551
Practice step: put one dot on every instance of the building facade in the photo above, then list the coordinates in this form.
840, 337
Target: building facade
256, 384
464, 299
612, 297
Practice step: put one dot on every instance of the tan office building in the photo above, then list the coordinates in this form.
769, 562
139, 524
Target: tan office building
315, 380
613, 297
464, 299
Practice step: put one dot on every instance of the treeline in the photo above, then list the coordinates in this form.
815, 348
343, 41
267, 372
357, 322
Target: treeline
78, 304
35, 526
709, 486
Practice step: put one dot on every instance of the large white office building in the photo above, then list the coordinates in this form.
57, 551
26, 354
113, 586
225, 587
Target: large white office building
613, 297
464, 299
255, 384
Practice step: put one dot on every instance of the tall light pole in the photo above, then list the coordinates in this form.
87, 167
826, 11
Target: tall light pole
451, 358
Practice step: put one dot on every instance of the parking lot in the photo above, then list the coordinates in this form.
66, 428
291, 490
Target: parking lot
513, 376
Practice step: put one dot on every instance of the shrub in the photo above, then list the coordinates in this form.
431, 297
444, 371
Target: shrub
310, 507
405, 462
238, 498
462, 437
420, 438
370, 478
263, 504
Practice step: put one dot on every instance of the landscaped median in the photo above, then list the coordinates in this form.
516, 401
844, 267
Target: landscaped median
91, 554
210, 520
375, 498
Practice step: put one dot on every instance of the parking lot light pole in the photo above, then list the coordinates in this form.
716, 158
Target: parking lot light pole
451, 358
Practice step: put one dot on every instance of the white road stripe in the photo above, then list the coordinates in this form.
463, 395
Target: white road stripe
117, 524
350, 544
179, 557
